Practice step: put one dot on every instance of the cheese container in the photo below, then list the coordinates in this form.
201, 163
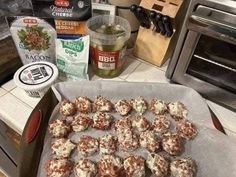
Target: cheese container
36, 78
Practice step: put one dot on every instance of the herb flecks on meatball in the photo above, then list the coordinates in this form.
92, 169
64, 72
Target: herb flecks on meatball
83, 104
186, 129
134, 166
177, 110
102, 104
110, 166
158, 165
59, 128
172, 143
81, 122
183, 167
161, 124
139, 105
123, 107
158, 107
67, 108
58, 167
85, 168
87, 145
62, 147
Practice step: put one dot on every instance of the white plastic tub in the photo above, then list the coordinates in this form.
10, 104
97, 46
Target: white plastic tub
36, 78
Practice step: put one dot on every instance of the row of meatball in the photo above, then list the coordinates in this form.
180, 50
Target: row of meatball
103, 121
114, 166
171, 143
83, 104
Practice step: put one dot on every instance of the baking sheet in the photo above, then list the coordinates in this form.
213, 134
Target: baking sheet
214, 152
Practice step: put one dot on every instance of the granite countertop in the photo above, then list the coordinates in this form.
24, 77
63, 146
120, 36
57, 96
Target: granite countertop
16, 106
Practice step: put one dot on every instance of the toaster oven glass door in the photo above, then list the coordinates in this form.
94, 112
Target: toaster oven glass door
214, 61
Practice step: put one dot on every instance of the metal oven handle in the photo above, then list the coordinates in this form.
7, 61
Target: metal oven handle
209, 26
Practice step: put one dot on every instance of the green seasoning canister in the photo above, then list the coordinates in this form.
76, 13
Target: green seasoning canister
108, 41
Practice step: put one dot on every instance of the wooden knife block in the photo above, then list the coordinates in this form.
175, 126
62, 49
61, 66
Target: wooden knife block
150, 45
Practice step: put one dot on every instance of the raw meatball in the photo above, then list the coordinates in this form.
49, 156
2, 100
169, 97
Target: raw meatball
140, 123
183, 167
158, 107
84, 105
102, 104
123, 125
59, 129
186, 129
161, 124
149, 141
81, 123
139, 105
172, 143
87, 145
62, 147
58, 167
177, 110
67, 108
85, 168
158, 165
134, 166
123, 107
110, 166
108, 144
102, 120
128, 140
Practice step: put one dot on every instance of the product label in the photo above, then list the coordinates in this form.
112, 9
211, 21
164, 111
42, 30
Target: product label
61, 12
107, 60
70, 27
62, 3
79, 10
75, 46
72, 58
34, 39
36, 74
33, 94
65, 8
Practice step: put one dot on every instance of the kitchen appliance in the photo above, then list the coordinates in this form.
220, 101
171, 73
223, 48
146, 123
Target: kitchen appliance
9, 151
205, 55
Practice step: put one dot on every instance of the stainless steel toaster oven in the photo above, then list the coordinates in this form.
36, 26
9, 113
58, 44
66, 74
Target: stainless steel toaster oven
205, 55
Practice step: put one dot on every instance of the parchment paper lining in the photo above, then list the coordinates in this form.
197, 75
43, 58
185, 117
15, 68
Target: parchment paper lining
214, 153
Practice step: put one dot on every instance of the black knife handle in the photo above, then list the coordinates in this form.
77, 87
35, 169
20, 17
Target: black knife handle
152, 15
133, 8
143, 15
146, 18
160, 23
168, 26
